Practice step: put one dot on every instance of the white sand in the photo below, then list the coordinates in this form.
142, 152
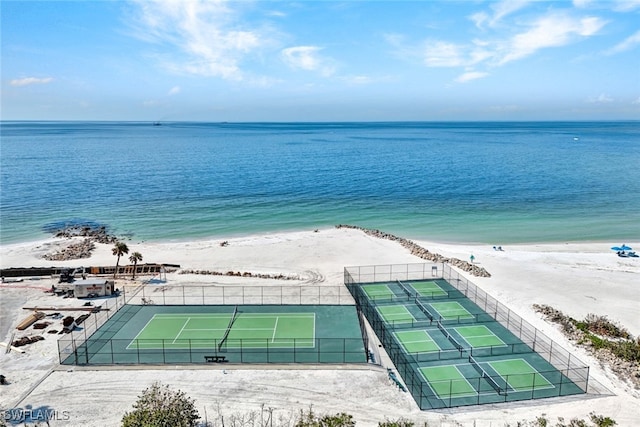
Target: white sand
575, 278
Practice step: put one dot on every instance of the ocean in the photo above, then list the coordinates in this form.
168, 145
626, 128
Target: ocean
474, 182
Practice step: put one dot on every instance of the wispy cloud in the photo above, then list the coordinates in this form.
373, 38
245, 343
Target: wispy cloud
500, 10
552, 30
27, 81
514, 39
444, 54
174, 90
308, 58
627, 44
626, 5
208, 36
471, 75
603, 98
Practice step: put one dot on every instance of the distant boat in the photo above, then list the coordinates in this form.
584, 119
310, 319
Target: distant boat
575, 138
157, 124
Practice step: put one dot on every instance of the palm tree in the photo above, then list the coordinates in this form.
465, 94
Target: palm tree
134, 258
118, 250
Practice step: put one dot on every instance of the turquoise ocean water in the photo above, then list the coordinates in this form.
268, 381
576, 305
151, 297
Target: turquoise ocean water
466, 182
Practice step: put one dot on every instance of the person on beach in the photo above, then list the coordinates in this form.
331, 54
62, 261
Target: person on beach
472, 258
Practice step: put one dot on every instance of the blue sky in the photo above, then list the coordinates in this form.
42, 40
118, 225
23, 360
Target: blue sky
320, 60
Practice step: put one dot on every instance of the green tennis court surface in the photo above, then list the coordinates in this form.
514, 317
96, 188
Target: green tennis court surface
375, 292
181, 334
520, 375
396, 314
416, 341
450, 310
479, 336
452, 351
248, 330
447, 381
428, 289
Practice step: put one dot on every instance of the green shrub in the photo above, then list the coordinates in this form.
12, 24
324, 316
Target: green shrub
159, 406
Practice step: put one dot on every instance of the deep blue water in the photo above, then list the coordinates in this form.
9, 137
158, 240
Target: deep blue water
472, 182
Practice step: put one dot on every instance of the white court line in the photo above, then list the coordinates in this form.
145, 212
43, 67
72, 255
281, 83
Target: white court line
480, 336
138, 334
535, 371
275, 327
183, 326
475, 393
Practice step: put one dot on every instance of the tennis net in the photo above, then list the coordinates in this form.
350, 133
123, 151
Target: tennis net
449, 336
226, 333
405, 289
424, 309
485, 375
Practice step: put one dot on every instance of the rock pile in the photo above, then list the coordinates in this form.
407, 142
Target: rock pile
240, 274
79, 250
27, 340
84, 248
421, 252
99, 234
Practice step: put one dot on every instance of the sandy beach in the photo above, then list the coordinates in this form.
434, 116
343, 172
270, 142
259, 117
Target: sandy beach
576, 278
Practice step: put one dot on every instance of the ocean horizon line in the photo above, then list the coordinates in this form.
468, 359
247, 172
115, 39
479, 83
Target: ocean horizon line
305, 122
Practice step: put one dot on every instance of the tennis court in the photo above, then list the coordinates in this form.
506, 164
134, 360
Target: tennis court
451, 310
479, 336
428, 289
417, 341
377, 292
396, 314
447, 381
249, 330
451, 351
519, 375
179, 334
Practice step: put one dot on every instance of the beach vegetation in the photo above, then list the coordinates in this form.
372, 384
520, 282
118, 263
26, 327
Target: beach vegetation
593, 420
160, 406
134, 258
601, 325
596, 331
119, 250
311, 419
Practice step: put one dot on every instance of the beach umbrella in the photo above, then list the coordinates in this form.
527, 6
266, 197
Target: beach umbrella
625, 248
616, 248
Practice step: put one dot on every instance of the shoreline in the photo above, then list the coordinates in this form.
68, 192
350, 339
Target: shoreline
575, 278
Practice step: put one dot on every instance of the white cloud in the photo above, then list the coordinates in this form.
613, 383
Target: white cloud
26, 81
627, 44
626, 5
277, 14
307, 58
582, 4
553, 30
506, 7
174, 90
636, 101
471, 75
209, 38
501, 10
444, 54
601, 99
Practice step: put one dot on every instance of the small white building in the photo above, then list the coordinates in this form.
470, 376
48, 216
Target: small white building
88, 288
